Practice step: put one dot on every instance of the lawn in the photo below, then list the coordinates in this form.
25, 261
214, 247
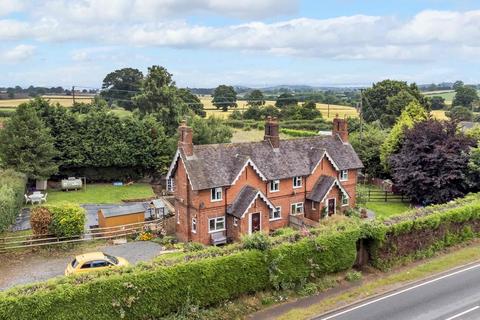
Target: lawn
383, 209
101, 193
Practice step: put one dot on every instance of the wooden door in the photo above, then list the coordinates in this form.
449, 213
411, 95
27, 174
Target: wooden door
331, 206
255, 222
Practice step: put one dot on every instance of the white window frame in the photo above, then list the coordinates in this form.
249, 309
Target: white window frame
297, 205
313, 205
299, 180
171, 184
194, 225
343, 175
216, 219
214, 192
274, 183
272, 214
235, 222
178, 217
345, 200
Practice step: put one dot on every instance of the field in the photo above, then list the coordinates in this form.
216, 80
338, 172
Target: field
445, 94
252, 135
101, 193
66, 101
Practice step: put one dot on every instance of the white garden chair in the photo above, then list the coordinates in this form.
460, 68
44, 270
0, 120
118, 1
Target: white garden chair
44, 198
27, 199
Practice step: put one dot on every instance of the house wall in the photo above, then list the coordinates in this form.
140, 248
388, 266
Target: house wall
243, 226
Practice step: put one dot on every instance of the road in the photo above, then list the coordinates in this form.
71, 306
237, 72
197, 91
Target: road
451, 296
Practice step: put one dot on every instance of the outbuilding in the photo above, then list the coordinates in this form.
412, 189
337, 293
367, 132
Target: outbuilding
121, 215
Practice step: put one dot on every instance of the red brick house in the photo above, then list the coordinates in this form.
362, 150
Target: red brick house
223, 191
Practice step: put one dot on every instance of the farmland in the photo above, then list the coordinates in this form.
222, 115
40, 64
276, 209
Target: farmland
448, 95
65, 101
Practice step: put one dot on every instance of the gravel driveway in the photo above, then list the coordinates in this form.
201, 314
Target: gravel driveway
33, 268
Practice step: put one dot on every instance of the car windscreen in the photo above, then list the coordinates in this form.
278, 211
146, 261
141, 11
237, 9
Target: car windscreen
74, 263
110, 258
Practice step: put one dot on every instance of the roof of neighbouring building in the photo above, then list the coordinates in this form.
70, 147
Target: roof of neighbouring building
123, 210
218, 165
244, 200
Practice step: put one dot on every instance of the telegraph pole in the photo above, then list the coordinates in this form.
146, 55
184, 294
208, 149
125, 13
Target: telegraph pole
361, 115
73, 95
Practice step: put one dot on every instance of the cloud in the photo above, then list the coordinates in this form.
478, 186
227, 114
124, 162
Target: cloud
10, 6
19, 53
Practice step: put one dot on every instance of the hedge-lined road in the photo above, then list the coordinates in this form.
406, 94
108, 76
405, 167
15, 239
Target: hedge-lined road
453, 295
33, 268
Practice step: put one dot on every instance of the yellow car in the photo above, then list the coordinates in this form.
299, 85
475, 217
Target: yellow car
94, 261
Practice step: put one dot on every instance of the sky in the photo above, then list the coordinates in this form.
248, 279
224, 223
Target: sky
256, 43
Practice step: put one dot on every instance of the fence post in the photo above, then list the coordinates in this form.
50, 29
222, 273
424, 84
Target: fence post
386, 196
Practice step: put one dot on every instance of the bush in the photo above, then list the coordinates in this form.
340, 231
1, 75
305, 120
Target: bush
12, 190
40, 220
193, 246
298, 133
352, 276
68, 220
257, 240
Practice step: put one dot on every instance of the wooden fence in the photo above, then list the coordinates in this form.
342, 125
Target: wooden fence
375, 195
32, 241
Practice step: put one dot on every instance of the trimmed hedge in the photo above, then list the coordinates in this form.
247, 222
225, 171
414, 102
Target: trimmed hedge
67, 219
145, 293
298, 133
12, 190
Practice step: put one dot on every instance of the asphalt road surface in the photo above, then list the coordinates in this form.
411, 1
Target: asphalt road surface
451, 296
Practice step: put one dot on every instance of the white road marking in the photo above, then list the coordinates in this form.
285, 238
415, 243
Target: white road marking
462, 313
400, 292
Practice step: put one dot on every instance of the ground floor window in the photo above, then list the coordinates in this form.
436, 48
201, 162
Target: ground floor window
216, 224
276, 214
194, 225
297, 208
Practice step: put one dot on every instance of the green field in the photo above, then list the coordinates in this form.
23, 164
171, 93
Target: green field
448, 95
101, 193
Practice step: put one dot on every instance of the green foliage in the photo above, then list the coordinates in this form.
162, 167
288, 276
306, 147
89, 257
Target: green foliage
255, 98
385, 100
437, 103
12, 188
412, 114
297, 133
193, 246
286, 99
6, 113
210, 130
353, 276
465, 96
459, 113
224, 97
120, 86
258, 240
367, 144
67, 219
192, 101
26, 145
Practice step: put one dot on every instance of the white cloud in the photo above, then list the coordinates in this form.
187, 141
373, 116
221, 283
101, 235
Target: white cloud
9, 6
19, 53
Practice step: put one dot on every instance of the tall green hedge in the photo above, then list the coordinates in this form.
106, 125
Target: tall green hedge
12, 190
67, 219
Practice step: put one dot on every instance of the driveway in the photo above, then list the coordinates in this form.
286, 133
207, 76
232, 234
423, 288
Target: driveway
34, 267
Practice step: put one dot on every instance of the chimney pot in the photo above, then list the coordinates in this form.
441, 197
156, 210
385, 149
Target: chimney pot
340, 128
272, 132
185, 138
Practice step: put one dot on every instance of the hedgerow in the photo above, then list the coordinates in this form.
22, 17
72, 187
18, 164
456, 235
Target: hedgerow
12, 190
298, 133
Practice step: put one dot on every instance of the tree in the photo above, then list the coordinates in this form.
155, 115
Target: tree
255, 98
412, 114
159, 96
121, 85
224, 97
457, 84
431, 166
465, 96
285, 99
376, 104
367, 145
210, 130
437, 103
192, 101
460, 113
26, 145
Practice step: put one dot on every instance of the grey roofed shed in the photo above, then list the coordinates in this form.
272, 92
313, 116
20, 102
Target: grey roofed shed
122, 210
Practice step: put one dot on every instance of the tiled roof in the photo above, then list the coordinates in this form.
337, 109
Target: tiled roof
244, 200
217, 165
321, 187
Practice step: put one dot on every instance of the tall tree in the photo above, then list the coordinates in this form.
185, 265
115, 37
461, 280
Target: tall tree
465, 96
437, 103
457, 84
192, 101
412, 114
255, 98
26, 145
432, 165
224, 97
367, 144
460, 113
285, 99
210, 130
121, 85
159, 96
376, 104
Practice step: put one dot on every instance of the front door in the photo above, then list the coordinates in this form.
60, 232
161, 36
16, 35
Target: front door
255, 222
331, 206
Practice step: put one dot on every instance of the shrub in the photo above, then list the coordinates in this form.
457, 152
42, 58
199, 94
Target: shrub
40, 220
257, 240
193, 246
12, 190
352, 276
297, 133
68, 220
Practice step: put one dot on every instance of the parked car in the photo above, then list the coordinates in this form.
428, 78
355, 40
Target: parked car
94, 261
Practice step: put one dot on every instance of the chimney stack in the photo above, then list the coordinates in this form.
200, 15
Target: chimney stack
185, 138
272, 132
340, 128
